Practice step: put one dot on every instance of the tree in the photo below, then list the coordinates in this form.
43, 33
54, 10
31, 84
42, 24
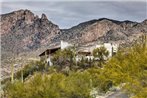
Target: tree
63, 58
101, 55
129, 67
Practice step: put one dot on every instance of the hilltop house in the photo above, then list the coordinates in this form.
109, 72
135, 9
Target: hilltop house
82, 51
50, 51
87, 51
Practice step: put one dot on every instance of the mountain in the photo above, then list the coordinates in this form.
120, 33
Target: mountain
104, 30
24, 34
23, 28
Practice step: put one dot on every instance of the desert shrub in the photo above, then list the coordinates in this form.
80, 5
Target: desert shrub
129, 67
30, 68
55, 85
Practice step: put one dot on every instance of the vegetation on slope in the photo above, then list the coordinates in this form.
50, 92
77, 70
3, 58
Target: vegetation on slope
127, 69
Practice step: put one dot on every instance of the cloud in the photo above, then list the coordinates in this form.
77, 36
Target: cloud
67, 14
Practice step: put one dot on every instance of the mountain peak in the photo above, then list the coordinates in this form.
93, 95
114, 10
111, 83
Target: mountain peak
145, 21
21, 11
109, 20
43, 16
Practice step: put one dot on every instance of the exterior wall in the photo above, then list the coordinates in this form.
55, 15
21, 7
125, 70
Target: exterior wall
115, 47
65, 44
110, 47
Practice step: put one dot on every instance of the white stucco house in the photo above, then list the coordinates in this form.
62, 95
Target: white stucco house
47, 54
87, 51
81, 51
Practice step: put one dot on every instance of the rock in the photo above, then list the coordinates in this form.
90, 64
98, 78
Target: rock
43, 17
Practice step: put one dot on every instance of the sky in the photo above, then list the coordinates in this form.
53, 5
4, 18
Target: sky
68, 13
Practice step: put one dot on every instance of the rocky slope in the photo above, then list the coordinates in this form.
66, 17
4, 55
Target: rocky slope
23, 28
23, 33
104, 30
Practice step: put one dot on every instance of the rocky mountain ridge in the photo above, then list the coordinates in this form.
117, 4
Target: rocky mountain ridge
105, 30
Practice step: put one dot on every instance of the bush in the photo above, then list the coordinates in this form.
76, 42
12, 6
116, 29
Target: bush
30, 68
55, 85
129, 68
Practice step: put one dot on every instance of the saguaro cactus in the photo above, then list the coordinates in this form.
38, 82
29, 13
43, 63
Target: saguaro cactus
46, 63
12, 73
22, 75
143, 41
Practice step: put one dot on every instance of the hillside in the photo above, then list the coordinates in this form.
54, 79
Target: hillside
122, 76
24, 34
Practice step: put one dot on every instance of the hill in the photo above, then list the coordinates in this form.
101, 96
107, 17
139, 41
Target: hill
25, 35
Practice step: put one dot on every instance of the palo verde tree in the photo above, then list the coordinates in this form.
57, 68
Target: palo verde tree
129, 67
101, 55
63, 58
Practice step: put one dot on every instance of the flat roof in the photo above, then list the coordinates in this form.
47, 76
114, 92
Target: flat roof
51, 49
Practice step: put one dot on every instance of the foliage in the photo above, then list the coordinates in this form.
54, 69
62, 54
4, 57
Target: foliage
84, 63
101, 55
64, 58
31, 68
129, 68
55, 85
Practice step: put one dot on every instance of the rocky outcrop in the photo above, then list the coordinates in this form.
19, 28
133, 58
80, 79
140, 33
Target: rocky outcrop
23, 32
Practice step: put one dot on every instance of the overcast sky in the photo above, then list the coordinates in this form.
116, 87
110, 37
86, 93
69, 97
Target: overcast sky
69, 13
